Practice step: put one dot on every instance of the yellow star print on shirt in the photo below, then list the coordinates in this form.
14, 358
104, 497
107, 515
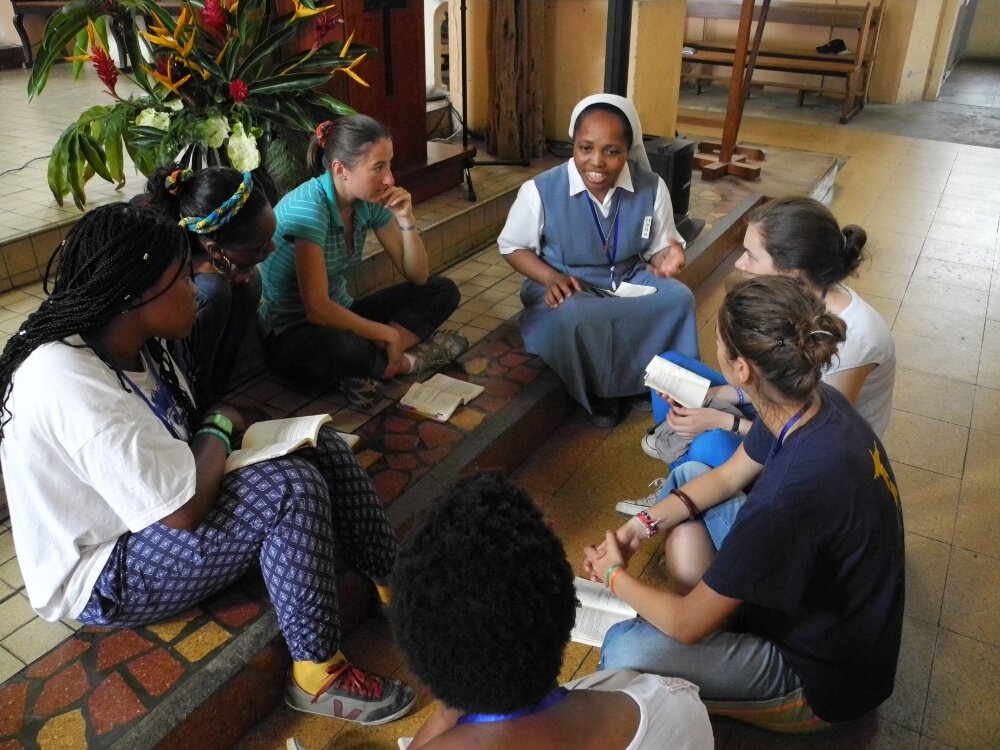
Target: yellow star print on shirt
882, 473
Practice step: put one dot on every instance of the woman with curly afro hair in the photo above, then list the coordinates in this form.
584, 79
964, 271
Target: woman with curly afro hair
483, 607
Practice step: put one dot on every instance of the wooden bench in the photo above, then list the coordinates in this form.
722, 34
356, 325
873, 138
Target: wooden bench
708, 44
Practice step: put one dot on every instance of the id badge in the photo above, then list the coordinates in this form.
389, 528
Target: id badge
647, 224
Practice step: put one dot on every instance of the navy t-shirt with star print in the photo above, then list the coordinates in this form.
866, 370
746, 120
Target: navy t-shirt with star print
816, 555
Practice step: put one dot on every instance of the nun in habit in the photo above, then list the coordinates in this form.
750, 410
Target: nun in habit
596, 242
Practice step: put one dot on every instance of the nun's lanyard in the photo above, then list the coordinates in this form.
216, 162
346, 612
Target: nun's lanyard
550, 700
609, 241
789, 425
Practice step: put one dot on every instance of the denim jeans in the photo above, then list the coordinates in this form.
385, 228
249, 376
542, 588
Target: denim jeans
726, 666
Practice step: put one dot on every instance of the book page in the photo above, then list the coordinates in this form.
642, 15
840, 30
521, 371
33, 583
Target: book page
628, 289
464, 390
683, 386
599, 609
430, 402
275, 437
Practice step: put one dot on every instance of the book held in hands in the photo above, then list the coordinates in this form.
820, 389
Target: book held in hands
439, 397
682, 385
598, 610
278, 437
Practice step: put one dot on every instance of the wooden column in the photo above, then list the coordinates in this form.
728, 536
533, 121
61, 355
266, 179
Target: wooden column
516, 44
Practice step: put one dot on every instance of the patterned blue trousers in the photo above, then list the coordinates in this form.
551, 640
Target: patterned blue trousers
289, 515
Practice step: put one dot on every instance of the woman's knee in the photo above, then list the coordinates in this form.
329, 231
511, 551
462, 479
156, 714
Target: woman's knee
629, 644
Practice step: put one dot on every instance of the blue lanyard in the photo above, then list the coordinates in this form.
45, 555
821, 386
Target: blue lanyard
161, 410
789, 425
549, 700
610, 240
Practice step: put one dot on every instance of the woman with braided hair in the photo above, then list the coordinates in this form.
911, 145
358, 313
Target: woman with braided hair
316, 331
783, 605
122, 514
231, 225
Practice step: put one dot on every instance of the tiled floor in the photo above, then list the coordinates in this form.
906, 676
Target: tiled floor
931, 212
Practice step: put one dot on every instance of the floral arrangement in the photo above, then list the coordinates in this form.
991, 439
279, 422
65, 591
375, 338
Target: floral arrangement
221, 87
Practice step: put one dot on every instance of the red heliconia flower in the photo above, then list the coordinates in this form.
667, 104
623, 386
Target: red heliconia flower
162, 64
213, 19
323, 25
105, 68
239, 91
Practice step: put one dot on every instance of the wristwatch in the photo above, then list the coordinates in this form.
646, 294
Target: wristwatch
220, 420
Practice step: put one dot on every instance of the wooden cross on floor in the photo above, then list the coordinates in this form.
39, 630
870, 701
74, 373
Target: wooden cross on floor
719, 159
386, 7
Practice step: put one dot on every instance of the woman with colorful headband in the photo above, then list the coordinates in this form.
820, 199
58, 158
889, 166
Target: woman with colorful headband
231, 225
122, 511
316, 331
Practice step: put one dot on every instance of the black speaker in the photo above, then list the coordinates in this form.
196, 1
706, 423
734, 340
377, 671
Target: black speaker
673, 160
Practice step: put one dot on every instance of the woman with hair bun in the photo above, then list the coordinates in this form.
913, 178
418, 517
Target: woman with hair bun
231, 224
316, 331
796, 237
784, 605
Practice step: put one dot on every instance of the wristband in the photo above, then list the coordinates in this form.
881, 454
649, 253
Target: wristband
688, 503
216, 432
219, 420
647, 520
740, 400
411, 228
608, 572
611, 580
736, 423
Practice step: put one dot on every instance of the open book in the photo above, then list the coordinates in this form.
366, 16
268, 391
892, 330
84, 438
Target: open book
278, 437
439, 397
599, 609
682, 385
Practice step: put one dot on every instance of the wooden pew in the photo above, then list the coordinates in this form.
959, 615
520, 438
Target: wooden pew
858, 25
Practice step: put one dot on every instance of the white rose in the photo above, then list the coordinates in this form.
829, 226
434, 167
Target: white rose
174, 104
242, 150
213, 131
150, 118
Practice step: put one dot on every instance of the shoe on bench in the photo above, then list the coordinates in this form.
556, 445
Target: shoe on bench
353, 695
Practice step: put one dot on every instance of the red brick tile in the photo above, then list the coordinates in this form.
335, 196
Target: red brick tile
397, 425
431, 457
435, 434
11, 745
13, 701
119, 647
388, 484
112, 704
502, 388
62, 689
523, 374
476, 365
57, 658
401, 461
514, 359
156, 671
234, 610
491, 404
400, 443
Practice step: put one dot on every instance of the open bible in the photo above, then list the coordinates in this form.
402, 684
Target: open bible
438, 397
682, 385
278, 437
598, 610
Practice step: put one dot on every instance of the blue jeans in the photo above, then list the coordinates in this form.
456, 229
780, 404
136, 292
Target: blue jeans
726, 665
713, 447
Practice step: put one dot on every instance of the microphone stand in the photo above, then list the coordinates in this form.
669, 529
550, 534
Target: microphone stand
471, 161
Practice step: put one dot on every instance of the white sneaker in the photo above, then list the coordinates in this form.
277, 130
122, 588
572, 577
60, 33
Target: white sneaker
631, 507
649, 446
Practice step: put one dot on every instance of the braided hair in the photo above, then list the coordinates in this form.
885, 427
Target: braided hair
110, 257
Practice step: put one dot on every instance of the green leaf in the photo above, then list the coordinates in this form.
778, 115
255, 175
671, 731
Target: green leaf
61, 29
262, 52
290, 82
95, 155
74, 171
57, 166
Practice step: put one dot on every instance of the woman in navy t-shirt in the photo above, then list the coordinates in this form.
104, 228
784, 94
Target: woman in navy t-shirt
783, 605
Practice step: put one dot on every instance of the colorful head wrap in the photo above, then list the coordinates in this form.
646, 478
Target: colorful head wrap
224, 213
175, 179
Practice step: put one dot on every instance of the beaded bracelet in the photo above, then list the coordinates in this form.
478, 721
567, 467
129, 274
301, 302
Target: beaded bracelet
652, 528
740, 400
216, 432
688, 503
